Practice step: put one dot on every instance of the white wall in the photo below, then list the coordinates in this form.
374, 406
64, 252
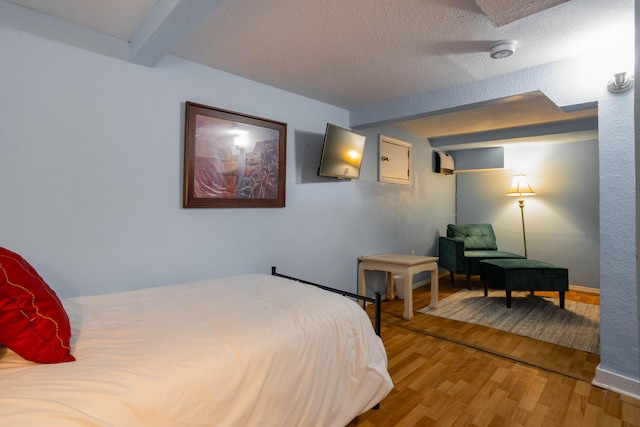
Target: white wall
561, 220
91, 179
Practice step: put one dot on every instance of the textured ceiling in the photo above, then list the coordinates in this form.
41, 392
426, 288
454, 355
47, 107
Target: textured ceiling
502, 12
348, 53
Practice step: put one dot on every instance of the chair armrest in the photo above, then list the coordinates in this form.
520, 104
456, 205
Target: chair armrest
451, 254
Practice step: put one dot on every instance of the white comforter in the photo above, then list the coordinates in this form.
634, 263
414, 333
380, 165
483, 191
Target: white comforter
252, 350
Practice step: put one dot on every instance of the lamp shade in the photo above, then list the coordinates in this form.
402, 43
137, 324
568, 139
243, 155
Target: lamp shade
520, 187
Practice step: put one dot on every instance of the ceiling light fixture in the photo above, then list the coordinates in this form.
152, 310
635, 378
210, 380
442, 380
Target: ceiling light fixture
621, 82
502, 49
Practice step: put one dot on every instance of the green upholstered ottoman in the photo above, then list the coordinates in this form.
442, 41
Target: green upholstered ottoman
524, 275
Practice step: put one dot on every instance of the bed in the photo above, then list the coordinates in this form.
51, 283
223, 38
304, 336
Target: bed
251, 350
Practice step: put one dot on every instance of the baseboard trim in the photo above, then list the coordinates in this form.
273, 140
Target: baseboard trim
584, 290
617, 383
575, 288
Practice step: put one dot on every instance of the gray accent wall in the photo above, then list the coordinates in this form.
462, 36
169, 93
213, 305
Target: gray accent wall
561, 220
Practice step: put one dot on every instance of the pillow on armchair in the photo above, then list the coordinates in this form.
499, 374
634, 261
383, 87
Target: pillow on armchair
476, 237
33, 321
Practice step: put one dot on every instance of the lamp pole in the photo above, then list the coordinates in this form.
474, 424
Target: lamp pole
524, 234
520, 187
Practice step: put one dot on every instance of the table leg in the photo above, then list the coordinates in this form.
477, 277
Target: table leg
362, 285
391, 295
434, 288
408, 295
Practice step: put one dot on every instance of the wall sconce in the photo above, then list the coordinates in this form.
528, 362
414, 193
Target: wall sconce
621, 82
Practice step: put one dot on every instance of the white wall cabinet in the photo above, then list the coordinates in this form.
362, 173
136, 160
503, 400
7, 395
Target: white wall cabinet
395, 161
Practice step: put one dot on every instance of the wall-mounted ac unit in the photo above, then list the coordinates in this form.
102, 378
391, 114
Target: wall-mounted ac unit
444, 163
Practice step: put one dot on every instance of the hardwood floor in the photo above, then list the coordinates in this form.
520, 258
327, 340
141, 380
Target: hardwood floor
450, 373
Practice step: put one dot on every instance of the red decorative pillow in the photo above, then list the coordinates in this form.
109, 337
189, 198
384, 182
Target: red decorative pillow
33, 322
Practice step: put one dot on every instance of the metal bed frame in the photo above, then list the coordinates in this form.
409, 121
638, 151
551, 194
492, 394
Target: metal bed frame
376, 301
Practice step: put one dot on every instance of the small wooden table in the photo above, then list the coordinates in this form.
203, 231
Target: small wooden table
407, 265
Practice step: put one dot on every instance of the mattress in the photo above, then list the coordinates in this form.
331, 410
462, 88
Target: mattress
253, 350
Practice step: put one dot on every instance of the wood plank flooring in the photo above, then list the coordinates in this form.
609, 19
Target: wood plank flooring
449, 373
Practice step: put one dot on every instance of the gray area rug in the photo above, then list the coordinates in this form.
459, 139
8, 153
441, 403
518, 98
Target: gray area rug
577, 326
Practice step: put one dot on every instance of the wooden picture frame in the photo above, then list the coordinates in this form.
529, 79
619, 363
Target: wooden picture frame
233, 160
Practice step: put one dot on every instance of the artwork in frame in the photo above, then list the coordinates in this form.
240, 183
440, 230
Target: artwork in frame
233, 160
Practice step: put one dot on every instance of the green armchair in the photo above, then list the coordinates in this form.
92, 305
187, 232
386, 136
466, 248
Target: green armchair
465, 246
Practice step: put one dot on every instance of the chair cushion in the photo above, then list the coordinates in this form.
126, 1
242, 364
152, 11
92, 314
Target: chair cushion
475, 236
491, 255
473, 258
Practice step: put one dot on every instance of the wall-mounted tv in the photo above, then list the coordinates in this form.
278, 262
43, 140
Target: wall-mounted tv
341, 153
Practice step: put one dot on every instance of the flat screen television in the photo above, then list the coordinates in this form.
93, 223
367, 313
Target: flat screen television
341, 153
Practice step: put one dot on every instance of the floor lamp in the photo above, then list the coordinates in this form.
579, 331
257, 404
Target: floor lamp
520, 187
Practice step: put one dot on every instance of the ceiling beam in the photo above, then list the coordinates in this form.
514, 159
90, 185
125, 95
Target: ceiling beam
165, 26
502, 12
30, 21
578, 127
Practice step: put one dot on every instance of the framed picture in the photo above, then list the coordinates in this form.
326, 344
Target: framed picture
233, 160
